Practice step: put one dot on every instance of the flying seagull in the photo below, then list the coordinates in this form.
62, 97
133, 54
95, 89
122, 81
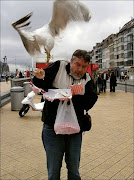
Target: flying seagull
42, 40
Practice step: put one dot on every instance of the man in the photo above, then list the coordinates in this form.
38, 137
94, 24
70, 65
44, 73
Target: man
105, 78
113, 82
62, 75
122, 76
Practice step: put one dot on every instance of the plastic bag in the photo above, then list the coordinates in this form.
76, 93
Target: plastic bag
66, 121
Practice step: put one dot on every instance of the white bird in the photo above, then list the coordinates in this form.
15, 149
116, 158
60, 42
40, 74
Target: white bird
42, 40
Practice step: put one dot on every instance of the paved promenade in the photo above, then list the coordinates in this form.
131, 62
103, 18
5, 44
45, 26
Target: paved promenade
5, 87
107, 149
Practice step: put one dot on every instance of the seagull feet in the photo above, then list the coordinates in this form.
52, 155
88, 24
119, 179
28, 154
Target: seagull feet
48, 55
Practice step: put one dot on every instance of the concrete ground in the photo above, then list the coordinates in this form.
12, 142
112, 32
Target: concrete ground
5, 87
107, 149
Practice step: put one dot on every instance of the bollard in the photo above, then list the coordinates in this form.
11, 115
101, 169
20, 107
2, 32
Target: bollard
126, 86
27, 88
17, 95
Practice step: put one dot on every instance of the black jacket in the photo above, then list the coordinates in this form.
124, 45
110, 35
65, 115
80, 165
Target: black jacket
57, 75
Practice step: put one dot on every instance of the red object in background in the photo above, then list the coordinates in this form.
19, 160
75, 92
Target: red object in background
95, 66
27, 74
89, 70
42, 65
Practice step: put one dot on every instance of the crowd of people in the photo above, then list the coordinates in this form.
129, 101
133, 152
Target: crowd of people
100, 81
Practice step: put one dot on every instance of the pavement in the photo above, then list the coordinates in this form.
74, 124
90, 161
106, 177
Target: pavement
107, 149
5, 87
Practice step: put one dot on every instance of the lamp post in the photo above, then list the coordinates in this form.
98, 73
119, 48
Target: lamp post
5, 64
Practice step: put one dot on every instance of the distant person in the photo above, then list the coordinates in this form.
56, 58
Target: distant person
6, 78
113, 82
100, 82
122, 76
94, 77
104, 78
12, 76
27, 74
20, 75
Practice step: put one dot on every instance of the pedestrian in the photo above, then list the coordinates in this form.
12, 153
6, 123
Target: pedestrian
62, 75
122, 75
100, 82
113, 82
27, 73
20, 75
94, 77
6, 78
105, 78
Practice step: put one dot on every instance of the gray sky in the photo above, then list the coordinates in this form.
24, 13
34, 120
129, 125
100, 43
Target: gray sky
107, 17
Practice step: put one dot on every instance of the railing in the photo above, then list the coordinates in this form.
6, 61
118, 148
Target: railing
19, 81
5, 97
125, 86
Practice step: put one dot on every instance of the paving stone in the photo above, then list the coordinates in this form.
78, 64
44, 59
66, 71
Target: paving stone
107, 150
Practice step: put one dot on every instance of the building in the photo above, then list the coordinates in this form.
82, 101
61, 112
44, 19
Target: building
101, 53
116, 51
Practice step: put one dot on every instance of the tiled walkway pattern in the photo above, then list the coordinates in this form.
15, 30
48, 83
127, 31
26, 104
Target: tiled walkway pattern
107, 150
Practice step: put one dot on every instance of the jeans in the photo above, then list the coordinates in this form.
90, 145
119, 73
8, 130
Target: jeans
100, 87
55, 147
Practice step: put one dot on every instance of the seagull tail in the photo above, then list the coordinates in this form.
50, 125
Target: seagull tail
19, 23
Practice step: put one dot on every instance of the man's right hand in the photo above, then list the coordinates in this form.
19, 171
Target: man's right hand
39, 73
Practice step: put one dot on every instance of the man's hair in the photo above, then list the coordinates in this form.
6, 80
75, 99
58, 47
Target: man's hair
81, 54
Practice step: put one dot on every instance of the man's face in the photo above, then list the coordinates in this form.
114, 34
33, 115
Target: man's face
78, 67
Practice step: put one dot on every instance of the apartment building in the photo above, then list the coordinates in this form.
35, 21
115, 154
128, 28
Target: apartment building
101, 53
116, 51
96, 54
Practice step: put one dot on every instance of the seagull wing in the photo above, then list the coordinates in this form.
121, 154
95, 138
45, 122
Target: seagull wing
29, 42
65, 11
28, 38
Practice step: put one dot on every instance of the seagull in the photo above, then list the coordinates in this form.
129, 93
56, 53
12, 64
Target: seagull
42, 40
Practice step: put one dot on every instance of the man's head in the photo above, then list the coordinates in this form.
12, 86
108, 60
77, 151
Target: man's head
79, 63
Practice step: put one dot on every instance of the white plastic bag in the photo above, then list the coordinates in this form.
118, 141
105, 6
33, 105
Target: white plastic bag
66, 121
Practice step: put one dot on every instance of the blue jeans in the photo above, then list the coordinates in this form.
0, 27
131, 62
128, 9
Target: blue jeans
55, 147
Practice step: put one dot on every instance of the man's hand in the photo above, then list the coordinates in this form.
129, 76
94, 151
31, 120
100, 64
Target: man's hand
39, 73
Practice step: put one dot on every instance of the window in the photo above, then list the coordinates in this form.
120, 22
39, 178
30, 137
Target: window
100, 56
116, 41
125, 47
125, 39
125, 55
119, 40
130, 54
100, 61
130, 46
115, 49
121, 55
120, 48
116, 57
111, 56
128, 63
130, 38
122, 39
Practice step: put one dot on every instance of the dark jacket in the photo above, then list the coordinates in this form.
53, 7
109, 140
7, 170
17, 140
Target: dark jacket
57, 75
113, 80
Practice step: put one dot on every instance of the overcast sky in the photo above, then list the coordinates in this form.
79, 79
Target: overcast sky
107, 18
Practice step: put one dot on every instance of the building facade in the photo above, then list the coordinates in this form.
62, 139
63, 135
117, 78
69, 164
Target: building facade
116, 52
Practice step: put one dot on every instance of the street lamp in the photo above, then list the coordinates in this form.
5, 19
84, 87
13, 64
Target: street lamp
5, 64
